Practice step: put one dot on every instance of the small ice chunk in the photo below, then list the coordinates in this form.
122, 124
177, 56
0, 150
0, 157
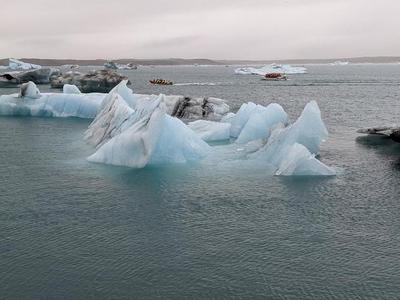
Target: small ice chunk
299, 161
71, 89
29, 90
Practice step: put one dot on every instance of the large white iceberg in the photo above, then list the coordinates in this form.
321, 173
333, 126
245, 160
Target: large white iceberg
273, 68
15, 64
154, 138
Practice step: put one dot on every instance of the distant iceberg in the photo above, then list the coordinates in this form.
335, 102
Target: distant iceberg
15, 64
273, 68
116, 66
339, 63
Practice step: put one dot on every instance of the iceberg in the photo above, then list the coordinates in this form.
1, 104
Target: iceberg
391, 131
97, 81
300, 162
273, 68
261, 121
15, 64
30, 102
110, 121
202, 108
116, 66
29, 90
153, 138
340, 63
211, 131
138, 130
241, 117
71, 89
118, 110
38, 76
282, 152
191, 108
254, 121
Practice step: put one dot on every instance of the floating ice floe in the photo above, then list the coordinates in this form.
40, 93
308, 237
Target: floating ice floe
273, 68
15, 64
392, 131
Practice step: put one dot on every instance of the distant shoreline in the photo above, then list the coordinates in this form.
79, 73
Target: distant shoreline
200, 61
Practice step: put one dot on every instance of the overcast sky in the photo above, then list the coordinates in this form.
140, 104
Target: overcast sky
219, 29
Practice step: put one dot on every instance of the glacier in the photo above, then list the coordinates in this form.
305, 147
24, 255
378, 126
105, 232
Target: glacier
273, 68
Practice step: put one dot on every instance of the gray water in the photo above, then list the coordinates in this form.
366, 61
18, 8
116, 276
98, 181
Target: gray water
70, 229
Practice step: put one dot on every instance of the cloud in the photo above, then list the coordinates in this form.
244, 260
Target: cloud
251, 29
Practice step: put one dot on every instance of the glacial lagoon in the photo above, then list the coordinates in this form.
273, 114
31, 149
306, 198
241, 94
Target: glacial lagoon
74, 229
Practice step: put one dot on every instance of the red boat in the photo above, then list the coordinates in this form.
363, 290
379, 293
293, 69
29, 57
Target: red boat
274, 76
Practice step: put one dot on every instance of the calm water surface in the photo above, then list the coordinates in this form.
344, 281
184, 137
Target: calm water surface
74, 230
